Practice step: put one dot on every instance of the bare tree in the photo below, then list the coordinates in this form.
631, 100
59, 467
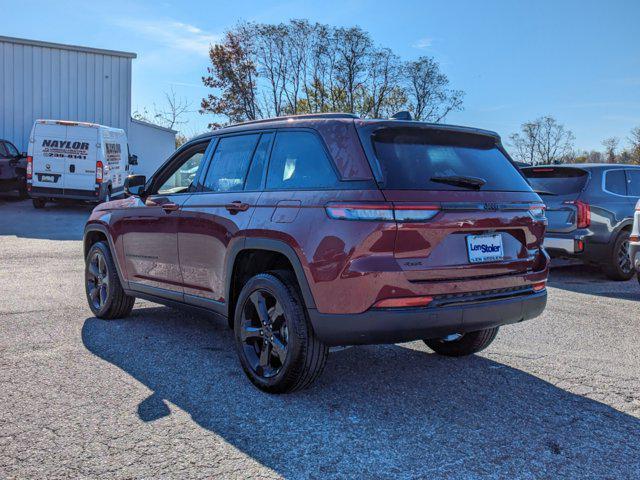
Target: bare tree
353, 45
261, 70
634, 140
543, 141
610, 147
429, 97
525, 143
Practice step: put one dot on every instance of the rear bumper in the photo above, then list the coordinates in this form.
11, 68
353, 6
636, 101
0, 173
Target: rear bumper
87, 195
560, 244
403, 325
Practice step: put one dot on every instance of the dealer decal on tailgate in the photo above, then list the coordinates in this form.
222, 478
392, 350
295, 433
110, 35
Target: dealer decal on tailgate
485, 248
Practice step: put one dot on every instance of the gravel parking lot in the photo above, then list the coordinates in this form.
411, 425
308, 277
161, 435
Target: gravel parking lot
161, 394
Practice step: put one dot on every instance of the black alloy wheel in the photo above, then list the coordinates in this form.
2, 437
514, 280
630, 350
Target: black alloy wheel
264, 333
97, 279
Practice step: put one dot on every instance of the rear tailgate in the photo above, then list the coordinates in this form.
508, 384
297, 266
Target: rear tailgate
559, 188
487, 221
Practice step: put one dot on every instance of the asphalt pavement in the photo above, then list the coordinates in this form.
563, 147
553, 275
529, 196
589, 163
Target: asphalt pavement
162, 395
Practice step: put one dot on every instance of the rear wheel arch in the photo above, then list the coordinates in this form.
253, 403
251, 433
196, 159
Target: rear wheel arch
94, 233
257, 255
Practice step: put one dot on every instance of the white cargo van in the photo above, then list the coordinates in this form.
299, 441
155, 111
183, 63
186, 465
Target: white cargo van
76, 160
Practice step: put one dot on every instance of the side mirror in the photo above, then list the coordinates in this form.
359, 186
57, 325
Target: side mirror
133, 159
134, 185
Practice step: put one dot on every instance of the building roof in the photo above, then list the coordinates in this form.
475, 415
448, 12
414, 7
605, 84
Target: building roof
62, 46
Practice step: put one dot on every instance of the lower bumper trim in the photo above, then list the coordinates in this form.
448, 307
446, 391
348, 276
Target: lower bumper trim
404, 325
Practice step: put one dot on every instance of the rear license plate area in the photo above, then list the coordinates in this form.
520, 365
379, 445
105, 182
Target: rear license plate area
485, 248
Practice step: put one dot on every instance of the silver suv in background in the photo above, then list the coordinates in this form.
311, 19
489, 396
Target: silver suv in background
590, 212
634, 241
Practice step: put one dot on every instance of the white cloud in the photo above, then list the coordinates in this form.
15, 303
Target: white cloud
172, 34
423, 43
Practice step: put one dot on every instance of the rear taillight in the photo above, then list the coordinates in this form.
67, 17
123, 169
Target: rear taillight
537, 287
99, 171
583, 215
381, 212
29, 167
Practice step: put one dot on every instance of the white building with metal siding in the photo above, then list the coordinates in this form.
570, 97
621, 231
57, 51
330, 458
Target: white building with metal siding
67, 82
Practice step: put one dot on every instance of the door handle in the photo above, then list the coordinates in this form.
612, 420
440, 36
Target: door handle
170, 207
237, 206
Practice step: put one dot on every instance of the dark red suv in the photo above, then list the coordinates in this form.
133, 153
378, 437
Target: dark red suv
324, 230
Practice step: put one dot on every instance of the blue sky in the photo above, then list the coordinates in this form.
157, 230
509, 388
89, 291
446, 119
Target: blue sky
576, 60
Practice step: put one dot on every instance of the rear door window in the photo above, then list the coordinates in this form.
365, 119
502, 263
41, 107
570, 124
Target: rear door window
230, 162
11, 150
3, 151
299, 161
633, 182
410, 158
556, 181
615, 181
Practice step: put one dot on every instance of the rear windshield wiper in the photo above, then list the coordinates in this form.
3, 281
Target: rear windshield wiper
460, 181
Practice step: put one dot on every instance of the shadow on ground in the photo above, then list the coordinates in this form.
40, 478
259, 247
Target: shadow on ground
379, 411
57, 221
591, 280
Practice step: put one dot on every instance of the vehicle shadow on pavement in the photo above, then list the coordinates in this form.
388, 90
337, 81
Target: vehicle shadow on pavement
377, 411
57, 221
592, 281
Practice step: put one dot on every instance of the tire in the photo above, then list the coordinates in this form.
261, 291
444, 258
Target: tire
22, 190
287, 329
38, 202
105, 294
469, 343
620, 267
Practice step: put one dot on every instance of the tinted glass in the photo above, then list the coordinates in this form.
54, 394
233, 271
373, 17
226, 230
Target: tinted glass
411, 157
13, 151
254, 178
556, 181
633, 178
182, 179
616, 182
299, 161
3, 151
230, 163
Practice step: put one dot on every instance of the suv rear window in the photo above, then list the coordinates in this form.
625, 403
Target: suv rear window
556, 181
410, 157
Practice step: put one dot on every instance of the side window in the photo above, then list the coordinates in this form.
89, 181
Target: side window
615, 182
184, 173
299, 161
230, 162
13, 151
633, 186
254, 178
3, 151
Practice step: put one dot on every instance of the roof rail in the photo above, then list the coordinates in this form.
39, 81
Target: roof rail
296, 117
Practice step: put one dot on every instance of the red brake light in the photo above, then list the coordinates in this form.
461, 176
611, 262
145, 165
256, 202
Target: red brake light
583, 219
99, 171
381, 212
29, 167
539, 286
404, 302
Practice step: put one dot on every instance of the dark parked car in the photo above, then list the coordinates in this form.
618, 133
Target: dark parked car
13, 169
324, 230
590, 212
